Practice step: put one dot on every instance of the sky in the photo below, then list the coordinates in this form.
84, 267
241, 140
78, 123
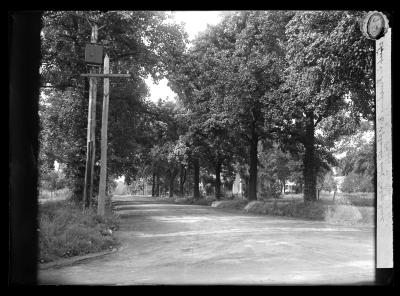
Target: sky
194, 22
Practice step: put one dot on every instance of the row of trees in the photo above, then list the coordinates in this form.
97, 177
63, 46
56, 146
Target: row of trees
278, 77
263, 93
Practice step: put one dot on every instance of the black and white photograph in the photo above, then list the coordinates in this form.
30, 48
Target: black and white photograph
204, 147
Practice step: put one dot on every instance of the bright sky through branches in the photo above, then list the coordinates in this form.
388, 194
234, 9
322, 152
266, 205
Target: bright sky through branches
195, 22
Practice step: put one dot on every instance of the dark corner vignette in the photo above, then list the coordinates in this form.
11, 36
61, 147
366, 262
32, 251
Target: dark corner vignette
24, 56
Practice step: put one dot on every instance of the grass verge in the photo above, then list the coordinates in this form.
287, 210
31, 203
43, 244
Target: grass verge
65, 231
314, 210
348, 209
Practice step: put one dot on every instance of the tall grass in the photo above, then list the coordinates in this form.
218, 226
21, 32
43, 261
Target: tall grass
64, 231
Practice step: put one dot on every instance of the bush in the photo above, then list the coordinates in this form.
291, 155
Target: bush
360, 199
271, 191
289, 208
66, 231
204, 201
342, 213
257, 207
313, 210
236, 204
357, 183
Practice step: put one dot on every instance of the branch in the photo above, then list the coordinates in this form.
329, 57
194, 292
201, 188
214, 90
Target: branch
320, 117
326, 111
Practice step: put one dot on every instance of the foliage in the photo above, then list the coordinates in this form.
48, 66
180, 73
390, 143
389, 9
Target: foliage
316, 210
328, 85
66, 231
329, 183
141, 42
51, 181
357, 183
222, 80
293, 81
360, 156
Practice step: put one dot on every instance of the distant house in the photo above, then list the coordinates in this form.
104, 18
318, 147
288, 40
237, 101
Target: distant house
237, 187
290, 187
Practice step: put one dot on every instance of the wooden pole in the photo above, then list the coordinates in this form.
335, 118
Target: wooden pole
91, 128
104, 123
384, 137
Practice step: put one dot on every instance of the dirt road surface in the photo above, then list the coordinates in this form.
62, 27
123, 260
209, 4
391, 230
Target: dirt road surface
187, 244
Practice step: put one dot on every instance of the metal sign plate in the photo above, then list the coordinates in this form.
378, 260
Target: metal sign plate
93, 53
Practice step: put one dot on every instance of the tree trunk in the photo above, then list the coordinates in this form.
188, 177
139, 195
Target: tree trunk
218, 180
157, 190
284, 187
153, 185
309, 172
253, 168
196, 178
182, 179
171, 183
245, 187
334, 195
171, 186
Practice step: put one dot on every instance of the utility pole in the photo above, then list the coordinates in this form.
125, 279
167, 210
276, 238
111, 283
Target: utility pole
104, 124
103, 169
94, 56
91, 129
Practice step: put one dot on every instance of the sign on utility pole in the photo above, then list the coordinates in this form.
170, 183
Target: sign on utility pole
375, 26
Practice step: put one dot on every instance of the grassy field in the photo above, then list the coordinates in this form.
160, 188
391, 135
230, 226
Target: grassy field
65, 231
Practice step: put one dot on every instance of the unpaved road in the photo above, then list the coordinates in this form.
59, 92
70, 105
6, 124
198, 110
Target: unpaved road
187, 244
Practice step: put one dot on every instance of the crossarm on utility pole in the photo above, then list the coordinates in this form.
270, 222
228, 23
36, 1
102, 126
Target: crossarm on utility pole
106, 75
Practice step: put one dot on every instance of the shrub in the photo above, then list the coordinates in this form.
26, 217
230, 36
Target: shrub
204, 201
290, 208
343, 214
271, 191
360, 199
257, 207
314, 210
236, 204
357, 183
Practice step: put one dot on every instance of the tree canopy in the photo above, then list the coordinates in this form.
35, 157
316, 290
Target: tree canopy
266, 94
